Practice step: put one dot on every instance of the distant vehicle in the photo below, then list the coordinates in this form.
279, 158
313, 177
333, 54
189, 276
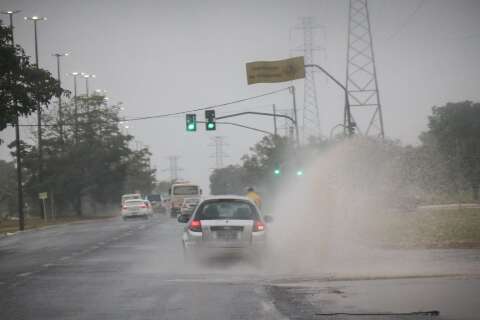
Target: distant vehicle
228, 223
189, 205
178, 192
156, 201
131, 196
136, 208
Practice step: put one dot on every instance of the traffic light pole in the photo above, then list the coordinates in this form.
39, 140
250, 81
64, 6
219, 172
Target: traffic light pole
264, 114
241, 126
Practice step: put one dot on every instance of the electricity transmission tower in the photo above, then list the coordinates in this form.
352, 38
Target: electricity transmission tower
362, 84
218, 143
310, 114
173, 168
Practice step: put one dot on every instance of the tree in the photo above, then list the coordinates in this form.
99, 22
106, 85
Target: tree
454, 130
91, 162
228, 180
23, 86
8, 191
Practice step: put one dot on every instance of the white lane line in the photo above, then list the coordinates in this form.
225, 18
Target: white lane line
47, 265
101, 243
25, 274
65, 258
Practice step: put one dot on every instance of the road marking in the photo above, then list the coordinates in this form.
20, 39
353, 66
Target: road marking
65, 258
47, 265
25, 274
94, 247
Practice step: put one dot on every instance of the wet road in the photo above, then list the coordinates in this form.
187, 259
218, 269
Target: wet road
135, 270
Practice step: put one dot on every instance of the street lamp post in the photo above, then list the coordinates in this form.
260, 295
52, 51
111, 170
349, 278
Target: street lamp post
75, 112
87, 76
60, 117
347, 114
35, 19
21, 216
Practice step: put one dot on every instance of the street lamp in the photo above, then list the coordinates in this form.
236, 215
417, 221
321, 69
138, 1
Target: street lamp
75, 75
35, 19
58, 56
87, 76
347, 114
21, 217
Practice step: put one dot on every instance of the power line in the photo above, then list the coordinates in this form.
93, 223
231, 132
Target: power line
406, 21
165, 115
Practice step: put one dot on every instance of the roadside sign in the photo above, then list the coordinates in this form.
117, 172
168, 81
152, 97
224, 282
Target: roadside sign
43, 195
275, 71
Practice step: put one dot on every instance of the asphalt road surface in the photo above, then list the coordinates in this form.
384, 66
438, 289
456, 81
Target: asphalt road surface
112, 269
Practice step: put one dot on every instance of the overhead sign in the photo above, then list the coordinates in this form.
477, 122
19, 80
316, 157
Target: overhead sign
43, 195
275, 71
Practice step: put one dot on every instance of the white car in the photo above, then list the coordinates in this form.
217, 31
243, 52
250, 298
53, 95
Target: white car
136, 208
230, 223
189, 205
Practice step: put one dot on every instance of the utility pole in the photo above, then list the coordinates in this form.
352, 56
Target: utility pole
362, 84
219, 155
21, 216
274, 109
60, 116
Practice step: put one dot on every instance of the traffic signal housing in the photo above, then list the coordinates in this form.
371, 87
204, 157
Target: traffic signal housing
191, 122
210, 120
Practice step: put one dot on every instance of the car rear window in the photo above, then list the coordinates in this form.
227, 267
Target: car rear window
134, 203
231, 209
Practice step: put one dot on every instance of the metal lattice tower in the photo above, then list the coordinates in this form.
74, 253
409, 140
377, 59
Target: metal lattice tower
310, 114
219, 155
362, 84
173, 168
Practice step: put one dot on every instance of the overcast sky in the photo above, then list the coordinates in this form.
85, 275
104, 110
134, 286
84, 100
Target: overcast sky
165, 56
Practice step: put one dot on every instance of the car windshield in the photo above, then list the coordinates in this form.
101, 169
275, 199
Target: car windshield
185, 190
154, 197
129, 197
230, 209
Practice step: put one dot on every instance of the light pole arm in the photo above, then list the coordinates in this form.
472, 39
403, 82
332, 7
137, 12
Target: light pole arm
349, 126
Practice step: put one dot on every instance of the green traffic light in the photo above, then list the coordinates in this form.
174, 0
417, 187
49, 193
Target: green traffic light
299, 172
211, 126
276, 172
191, 127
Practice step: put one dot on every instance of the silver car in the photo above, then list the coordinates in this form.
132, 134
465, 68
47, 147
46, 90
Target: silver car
228, 223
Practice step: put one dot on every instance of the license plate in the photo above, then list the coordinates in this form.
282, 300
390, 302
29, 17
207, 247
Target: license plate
227, 235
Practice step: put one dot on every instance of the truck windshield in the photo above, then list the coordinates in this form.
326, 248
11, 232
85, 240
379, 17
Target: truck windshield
185, 190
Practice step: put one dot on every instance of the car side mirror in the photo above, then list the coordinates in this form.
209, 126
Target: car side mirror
183, 218
268, 219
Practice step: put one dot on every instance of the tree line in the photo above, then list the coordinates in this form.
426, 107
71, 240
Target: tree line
88, 159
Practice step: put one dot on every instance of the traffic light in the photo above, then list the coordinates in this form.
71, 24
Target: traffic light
299, 172
210, 120
191, 122
277, 170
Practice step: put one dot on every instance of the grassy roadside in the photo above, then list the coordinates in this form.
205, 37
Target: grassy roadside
455, 228
9, 226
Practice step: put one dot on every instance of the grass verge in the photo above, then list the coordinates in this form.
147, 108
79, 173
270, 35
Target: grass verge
456, 228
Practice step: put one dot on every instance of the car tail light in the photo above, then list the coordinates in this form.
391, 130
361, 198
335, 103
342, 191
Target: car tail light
143, 206
258, 226
196, 226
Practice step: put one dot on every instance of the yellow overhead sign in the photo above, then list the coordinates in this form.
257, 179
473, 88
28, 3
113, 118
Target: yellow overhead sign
275, 71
